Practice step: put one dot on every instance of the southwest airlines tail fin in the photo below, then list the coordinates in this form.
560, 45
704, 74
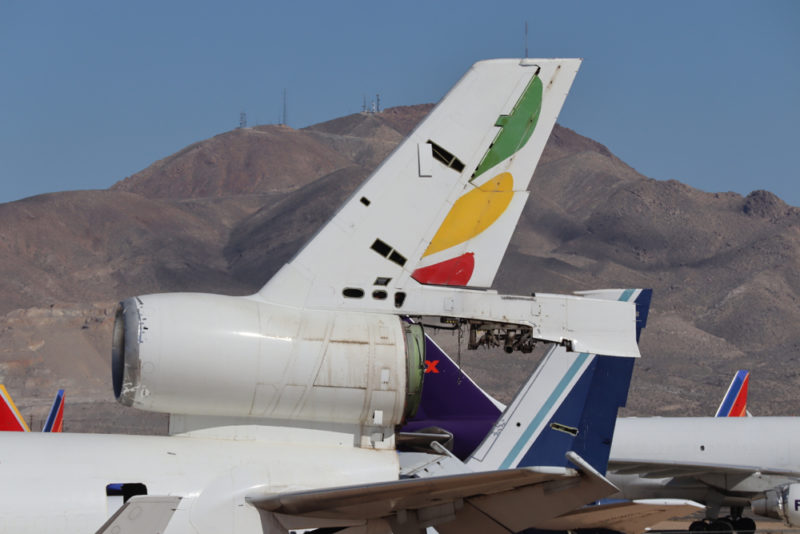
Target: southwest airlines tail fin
569, 404
10, 418
55, 419
734, 404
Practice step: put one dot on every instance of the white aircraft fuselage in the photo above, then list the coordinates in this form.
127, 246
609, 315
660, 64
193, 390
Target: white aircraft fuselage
58, 482
720, 461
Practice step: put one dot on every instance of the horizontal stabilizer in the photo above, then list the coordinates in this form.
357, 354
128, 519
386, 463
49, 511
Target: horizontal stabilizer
142, 515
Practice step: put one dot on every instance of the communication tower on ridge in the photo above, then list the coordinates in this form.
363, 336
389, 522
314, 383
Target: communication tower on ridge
374, 106
284, 117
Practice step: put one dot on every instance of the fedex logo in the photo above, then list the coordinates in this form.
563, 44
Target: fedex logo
796, 505
430, 366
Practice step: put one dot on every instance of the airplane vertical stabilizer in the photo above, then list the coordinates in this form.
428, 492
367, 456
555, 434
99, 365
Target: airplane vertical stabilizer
441, 209
734, 403
10, 418
55, 418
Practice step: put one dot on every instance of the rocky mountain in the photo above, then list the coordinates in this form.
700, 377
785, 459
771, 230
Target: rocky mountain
224, 214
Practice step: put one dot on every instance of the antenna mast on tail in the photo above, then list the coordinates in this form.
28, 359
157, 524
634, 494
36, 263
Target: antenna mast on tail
526, 38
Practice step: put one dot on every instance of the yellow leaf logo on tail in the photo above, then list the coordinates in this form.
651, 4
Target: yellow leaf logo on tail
473, 213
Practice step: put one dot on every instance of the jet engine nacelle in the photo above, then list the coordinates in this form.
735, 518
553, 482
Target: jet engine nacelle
780, 503
203, 354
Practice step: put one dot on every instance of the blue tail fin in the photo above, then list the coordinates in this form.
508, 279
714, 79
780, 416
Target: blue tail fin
569, 404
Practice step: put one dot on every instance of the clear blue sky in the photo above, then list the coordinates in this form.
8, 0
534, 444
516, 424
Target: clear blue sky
707, 93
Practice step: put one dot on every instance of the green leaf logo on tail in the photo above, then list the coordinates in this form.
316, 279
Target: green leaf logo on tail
517, 128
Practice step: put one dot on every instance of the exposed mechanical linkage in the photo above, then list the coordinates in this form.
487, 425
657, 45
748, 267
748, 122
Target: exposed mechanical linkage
488, 334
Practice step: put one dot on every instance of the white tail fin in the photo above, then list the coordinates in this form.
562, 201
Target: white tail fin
441, 209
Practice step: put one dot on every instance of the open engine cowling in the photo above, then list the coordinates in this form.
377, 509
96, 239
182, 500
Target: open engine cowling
780, 503
203, 354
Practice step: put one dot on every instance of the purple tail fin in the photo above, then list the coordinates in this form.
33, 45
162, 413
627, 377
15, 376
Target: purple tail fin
453, 402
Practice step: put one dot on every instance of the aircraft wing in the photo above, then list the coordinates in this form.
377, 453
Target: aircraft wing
664, 469
482, 502
372, 501
142, 515
631, 517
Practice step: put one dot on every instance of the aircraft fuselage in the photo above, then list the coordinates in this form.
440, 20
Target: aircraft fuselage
58, 482
724, 459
